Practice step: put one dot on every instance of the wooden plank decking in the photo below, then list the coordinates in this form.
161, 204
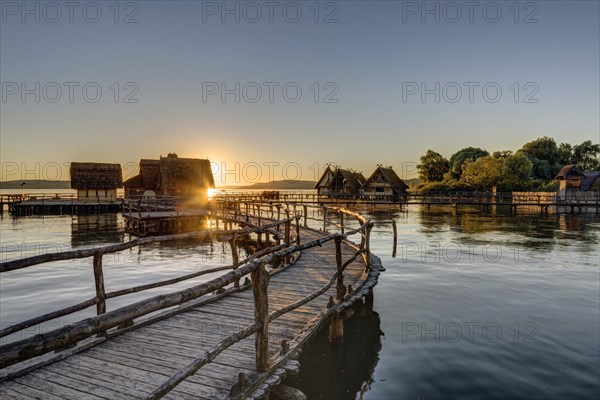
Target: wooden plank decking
132, 365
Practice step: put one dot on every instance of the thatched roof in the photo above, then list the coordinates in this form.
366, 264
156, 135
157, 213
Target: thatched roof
354, 179
569, 172
324, 178
96, 176
185, 173
390, 177
150, 172
590, 178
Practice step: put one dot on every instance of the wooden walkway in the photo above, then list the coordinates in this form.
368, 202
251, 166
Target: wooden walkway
132, 365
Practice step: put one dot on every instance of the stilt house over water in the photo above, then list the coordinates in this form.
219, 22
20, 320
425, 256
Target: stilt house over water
384, 182
346, 183
96, 182
172, 176
573, 179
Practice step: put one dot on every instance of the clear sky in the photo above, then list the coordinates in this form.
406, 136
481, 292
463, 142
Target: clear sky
381, 82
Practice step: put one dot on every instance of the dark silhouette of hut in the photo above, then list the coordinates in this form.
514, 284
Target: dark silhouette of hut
96, 182
172, 176
572, 178
322, 185
384, 182
346, 183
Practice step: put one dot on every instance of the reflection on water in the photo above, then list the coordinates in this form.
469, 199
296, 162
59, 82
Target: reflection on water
344, 370
96, 229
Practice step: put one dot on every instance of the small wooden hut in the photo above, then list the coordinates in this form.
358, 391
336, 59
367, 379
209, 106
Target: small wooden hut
96, 182
346, 183
322, 185
172, 176
573, 179
384, 182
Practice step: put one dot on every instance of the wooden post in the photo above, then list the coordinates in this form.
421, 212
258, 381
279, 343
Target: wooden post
99, 279
368, 247
395, 229
260, 284
305, 209
298, 230
336, 329
341, 289
342, 222
258, 213
288, 228
234, 256
278, 213
324, 219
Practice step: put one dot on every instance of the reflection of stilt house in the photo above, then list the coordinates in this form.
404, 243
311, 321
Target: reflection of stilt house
322, 185
172, 176
96, 182
384, 182
346, 183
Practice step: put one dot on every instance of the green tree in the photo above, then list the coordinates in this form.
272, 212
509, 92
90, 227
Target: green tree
587, 155
543, 148
515, 172
459, 158
544, 155
433, 167
565, 154
483, 173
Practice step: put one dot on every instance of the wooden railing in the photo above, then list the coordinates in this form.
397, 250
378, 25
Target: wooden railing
104, 323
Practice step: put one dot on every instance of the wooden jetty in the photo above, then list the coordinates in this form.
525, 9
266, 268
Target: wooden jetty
545, 203
55, 204
234, 336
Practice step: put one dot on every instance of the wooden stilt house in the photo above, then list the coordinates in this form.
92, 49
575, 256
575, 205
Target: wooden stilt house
96, 182
346, 183
384, 183
172, 176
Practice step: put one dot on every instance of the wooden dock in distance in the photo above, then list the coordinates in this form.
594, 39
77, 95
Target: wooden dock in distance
229, 337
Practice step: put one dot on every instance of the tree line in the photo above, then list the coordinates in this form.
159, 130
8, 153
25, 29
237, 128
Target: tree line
532, 167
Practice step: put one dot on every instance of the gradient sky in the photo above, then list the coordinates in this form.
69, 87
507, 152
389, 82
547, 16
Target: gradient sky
373, 50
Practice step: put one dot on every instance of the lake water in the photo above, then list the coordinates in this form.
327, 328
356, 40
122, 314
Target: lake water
473, 305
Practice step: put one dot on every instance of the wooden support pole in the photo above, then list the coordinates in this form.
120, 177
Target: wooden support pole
342, 222
336, 329
235, 256
324, 219
395, 230
99, 279
297, 230
260, 284
341, 289
368, 246
305, 215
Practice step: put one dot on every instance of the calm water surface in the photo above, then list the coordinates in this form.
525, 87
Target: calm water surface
472, 305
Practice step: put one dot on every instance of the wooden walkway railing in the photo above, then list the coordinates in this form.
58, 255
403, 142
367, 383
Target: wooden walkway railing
107, 324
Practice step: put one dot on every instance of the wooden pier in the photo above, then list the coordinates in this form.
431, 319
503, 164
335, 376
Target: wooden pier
55, 204
234, 336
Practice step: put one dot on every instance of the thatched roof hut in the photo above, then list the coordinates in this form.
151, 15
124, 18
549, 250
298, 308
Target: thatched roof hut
385, 181
184, 174
171, 176
572, 177
95, 176
570, 171
345, 181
